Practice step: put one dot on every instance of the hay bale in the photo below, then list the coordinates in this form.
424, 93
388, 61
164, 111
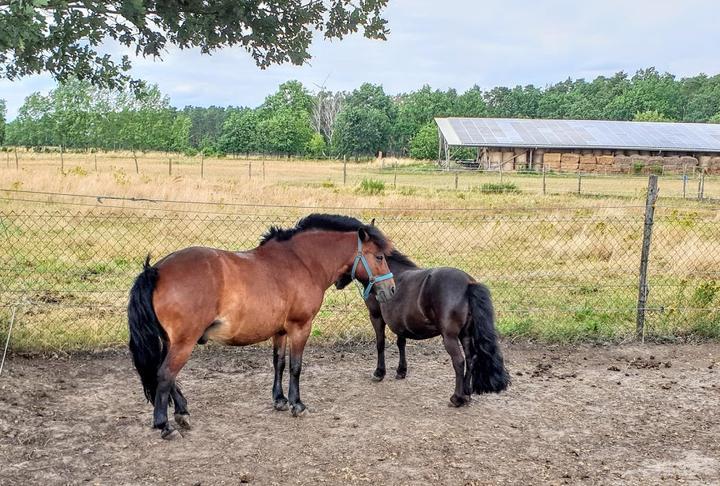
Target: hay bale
551, 161
689, 162
622, 164
569, 162
605, 160
713, 166
588, 163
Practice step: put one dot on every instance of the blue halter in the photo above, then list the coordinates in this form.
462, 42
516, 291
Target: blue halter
360, 258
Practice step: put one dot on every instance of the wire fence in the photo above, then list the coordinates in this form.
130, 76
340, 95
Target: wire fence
555, 273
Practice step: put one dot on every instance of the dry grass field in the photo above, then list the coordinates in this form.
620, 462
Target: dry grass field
562, 266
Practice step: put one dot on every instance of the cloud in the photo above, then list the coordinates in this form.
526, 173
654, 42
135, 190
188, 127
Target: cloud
455, 43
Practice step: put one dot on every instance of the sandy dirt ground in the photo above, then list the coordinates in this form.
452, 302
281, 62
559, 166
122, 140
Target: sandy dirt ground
591, 414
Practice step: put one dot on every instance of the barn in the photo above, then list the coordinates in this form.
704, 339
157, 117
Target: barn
587, 146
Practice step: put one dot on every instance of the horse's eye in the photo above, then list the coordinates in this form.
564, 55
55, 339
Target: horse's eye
379, 257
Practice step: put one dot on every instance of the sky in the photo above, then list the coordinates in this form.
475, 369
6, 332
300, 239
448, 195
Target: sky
453, 44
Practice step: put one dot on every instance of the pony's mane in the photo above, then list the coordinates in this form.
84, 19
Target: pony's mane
401, 258
327, 222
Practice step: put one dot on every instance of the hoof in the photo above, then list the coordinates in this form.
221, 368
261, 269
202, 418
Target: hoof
298, 410
169, 433
400, 375
457, 401
377, 376
281, 404
183, 420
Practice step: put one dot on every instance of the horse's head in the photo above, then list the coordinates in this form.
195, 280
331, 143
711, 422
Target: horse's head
370, 266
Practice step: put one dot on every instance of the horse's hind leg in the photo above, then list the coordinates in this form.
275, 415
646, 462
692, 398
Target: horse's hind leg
469, 362
452, 345
176, 358
182, 416
279, 400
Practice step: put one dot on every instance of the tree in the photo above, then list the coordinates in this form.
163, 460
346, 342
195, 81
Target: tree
326, 107
424, 145
2, 121
316, 146
64, 38
417, 109
651, 116
239, 132
360, 131
285, 132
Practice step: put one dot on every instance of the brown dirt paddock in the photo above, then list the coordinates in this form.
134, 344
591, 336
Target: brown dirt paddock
591, 414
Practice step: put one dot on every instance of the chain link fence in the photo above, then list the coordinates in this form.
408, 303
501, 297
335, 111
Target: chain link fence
555, 273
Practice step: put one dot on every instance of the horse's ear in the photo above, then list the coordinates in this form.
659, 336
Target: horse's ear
363, 234
372, 223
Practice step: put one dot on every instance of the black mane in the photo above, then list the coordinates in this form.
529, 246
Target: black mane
401, 258
327, 222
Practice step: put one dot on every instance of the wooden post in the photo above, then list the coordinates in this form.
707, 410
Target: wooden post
652, 194
344, 169
95, 154
701, 186
685, 180
62, 159
137, 167
169, 166
263, 167
579, 182
250, 169
202, 166
501, 171
17, 163
544, 183
457, 174
395, 177
7, 158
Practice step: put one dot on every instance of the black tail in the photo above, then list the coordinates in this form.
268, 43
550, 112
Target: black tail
488, 370
148, 341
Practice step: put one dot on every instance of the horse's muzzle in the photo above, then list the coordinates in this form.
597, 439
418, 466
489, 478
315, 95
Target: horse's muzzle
384, 292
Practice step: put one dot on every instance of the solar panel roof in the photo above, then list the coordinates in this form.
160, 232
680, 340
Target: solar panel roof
582, 134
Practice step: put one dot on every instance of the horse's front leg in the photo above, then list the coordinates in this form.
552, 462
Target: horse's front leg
402, 363
379, 326
279, 400
298, 335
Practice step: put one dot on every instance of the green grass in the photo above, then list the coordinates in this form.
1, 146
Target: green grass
371, 186
499, 188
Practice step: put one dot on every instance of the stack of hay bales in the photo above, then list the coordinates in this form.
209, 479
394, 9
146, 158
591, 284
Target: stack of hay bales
551, 161
569, 162
588, 163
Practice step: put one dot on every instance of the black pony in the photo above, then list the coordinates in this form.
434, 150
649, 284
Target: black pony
441, 301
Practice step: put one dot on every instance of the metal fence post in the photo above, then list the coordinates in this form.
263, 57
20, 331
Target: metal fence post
344, 169
579, 182
652, 194
701, 186
685, 180
457, 174
544, 184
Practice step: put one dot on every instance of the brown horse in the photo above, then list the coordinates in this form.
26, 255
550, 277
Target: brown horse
239, 298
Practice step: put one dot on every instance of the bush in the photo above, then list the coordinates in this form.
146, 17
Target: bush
371, 186
499, 188
424, 145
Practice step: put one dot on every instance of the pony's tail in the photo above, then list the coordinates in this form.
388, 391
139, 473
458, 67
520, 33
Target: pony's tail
148, 340
488, 370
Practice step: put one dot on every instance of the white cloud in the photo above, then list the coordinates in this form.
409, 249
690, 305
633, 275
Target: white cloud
456, 43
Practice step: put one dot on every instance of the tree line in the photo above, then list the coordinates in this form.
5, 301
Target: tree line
365, 121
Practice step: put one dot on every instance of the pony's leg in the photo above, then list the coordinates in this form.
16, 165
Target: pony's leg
452, 345
176, 358
298, 336
182, 416
469, 362
279, 400
402, 364
379, 326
